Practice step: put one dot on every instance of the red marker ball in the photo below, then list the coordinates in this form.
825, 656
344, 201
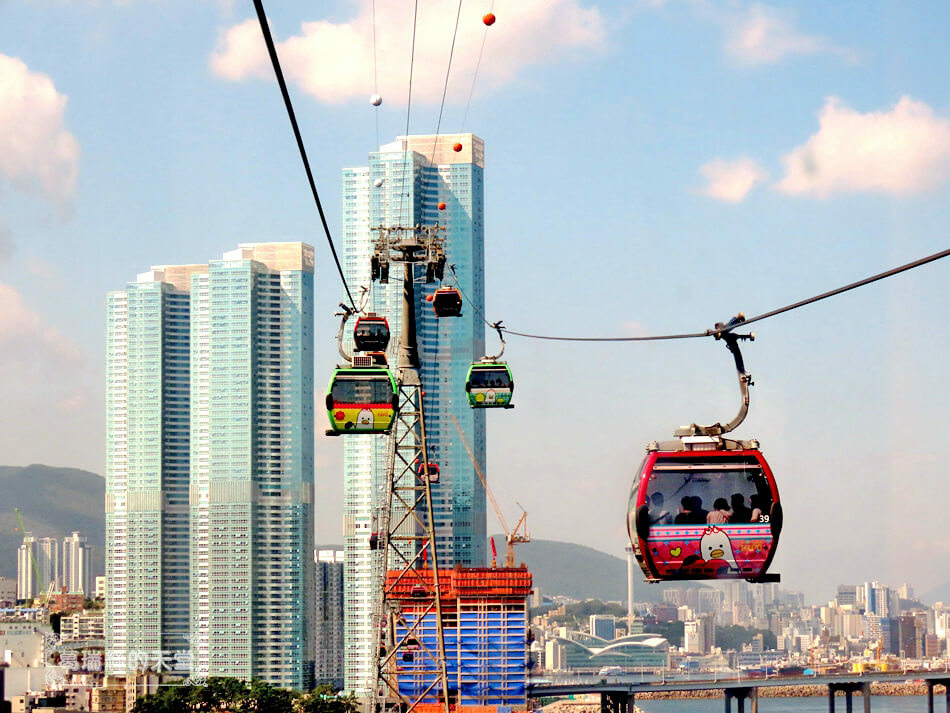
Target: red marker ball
489, 19
457, 147
441, 206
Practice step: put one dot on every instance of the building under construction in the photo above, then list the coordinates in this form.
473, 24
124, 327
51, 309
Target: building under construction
485, 627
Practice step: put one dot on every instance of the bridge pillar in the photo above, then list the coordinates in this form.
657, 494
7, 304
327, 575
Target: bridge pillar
741, 695
930, 693
616, 702
848, 689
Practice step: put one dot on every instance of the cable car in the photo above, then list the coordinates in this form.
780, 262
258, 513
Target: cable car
489, 384
447, 302
361, 399
705, 507
371, 333
433, 471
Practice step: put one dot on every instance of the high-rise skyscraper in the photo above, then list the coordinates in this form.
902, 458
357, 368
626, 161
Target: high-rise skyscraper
77, 565
404, 184
328, 620
37, 566
209, 489
147, 466
26, 584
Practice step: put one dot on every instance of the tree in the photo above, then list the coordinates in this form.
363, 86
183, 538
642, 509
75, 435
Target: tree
324, 699
266, 698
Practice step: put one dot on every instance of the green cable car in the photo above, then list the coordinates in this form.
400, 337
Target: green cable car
489, 384
362, 400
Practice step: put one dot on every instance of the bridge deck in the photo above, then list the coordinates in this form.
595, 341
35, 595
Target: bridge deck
555, 690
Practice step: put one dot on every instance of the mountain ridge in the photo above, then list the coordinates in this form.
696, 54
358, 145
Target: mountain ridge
54, 501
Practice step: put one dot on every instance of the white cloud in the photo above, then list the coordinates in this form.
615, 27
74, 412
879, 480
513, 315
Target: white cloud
334, 61
759, 34
29, 345
731, 181
901, 151
36, 150
6, 244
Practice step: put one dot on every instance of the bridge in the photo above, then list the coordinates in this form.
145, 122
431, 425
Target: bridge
618, 696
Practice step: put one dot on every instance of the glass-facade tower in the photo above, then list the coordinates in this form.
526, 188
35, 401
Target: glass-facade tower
209, 491
404, 184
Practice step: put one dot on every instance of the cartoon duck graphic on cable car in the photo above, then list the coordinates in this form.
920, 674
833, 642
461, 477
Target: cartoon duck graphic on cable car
715, 547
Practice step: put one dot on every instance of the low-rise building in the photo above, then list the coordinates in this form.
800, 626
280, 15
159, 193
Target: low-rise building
110, 698
7, 592
29, 702
82, 626
582, 652
22, 642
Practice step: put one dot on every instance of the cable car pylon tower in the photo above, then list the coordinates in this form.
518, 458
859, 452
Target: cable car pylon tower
407, 525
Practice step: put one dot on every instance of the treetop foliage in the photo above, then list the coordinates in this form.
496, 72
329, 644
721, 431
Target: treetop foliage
231, 695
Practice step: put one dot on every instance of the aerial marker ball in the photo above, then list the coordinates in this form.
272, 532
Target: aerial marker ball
441, 206
376, 100
457, 147
429, 298
378, 182
489, 19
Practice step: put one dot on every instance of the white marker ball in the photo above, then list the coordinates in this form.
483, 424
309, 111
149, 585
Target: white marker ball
376, 100
378, 182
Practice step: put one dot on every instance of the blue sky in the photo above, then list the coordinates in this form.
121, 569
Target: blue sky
651, 167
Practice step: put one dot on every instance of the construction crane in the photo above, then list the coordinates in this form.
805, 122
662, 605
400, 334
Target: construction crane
36, 568
512, 537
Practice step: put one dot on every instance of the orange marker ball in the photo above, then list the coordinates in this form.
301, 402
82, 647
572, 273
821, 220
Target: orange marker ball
441, 206
457, 147
489, 19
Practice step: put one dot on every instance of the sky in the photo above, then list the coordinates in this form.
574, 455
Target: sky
652, 167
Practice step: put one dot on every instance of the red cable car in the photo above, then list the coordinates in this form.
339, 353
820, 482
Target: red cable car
371, 333
433, 471
703, 506
447, 302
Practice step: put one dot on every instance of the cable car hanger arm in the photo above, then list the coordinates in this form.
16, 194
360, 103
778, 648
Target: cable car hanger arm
339, 335
725, 333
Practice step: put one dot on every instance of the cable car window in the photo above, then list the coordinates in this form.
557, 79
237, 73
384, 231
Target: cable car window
372, 329
489, 378
713, 492
362, 391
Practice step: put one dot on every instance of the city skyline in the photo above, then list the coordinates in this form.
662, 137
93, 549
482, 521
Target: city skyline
648, 173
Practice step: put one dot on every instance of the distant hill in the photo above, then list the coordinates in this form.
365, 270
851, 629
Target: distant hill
938, 594
582, 572
54, 502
